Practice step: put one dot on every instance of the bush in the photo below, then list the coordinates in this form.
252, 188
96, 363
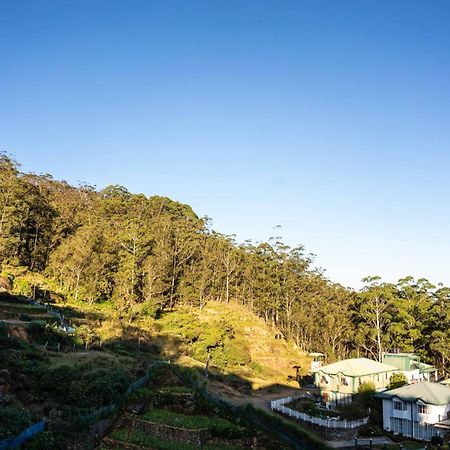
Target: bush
23, 287
43, 441
151, 309
140, 394
353, 411
397, 380
13, 420
86, 385
234, 353
25, 317
366, 391
284, 429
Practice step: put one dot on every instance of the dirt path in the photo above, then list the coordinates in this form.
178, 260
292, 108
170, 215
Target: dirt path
260, 399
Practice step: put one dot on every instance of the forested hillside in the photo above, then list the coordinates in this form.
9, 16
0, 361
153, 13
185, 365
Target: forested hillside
146, 255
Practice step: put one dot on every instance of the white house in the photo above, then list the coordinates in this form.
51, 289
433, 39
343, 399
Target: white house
419, 411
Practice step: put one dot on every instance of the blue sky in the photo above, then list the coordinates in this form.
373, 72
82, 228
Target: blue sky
330, 118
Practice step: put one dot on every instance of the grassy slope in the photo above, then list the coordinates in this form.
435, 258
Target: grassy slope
272, 360
269, 361
128, 343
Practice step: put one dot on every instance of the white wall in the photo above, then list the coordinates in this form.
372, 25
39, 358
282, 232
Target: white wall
437, 413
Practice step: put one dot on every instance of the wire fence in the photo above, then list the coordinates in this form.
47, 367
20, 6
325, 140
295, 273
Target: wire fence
278, 405
110, 410
86, 419
289, 432
63, 324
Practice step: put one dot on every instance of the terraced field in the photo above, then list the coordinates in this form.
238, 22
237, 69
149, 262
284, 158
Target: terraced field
173, 417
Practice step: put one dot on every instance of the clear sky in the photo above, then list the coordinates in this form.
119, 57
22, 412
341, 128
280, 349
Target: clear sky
330, 118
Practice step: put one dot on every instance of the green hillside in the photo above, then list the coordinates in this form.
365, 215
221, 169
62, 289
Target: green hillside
122, 280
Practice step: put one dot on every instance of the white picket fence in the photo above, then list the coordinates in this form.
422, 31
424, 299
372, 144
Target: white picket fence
278, 405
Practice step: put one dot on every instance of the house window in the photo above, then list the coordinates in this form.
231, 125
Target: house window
344, 381
399, 406
423, 409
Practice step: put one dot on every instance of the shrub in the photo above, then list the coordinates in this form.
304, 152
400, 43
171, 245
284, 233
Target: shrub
43, 441
25, 317
140, 394
234, 353
284, 428
23, 287
151, 309
353, 411
13, 420
397, 380
366, 391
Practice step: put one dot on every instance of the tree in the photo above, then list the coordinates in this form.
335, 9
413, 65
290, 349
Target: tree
397, 380
438, 328
411, 303
145, 254
374, 314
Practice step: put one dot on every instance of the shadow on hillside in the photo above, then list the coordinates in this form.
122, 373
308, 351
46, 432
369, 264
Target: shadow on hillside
129, 340
209, 402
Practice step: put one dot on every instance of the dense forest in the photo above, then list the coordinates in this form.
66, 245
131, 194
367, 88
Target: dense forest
146, 255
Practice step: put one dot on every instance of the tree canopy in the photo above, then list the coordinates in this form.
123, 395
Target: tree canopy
148, 254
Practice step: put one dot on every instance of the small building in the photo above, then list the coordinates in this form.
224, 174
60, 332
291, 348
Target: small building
338, 382
419, 411
411, 366
317, 360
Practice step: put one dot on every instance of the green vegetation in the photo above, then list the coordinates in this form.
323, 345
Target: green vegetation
143, 256
217, 427
147, 440
397, 380
43, 441
351, 411
141, 278
285, 429
13, 419
176, 390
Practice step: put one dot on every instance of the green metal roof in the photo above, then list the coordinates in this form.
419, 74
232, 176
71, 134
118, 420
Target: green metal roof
406, 362
430, 393
356, 367
403, 361
426, 368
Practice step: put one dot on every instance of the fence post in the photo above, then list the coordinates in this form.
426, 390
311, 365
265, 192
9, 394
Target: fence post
356, 442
